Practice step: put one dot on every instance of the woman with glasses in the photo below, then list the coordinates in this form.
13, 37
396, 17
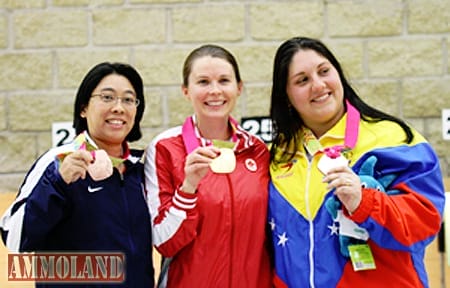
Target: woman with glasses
88, 196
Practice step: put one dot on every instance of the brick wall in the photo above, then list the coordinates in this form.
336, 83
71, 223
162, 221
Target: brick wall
396, 52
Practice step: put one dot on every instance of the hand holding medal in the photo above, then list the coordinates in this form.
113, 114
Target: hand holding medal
218, 158
342, 178
86, 158
332, 158
335, 165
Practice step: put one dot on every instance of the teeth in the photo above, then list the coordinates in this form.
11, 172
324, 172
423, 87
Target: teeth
215, 103
322, 97
115, 121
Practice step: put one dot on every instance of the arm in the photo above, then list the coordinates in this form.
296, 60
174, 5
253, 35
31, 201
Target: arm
45, 207
12, 222
411, 219
173, 211
41, 202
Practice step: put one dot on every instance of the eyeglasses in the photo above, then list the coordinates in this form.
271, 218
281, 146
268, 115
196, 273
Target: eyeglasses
109, 98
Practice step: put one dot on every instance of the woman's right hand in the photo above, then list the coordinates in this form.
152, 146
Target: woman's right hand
196, 166
74, 166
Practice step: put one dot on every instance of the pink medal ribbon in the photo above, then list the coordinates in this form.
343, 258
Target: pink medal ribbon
333, 155
351, 133
191, 140
225, 162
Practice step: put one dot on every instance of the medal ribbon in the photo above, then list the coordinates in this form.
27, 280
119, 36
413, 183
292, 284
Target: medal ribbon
192, 138
312, 145
83, 142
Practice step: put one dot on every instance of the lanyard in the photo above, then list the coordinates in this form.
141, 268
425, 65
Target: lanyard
312, 145
84, 142
192, 138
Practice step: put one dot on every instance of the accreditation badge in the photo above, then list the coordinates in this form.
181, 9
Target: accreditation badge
361, 257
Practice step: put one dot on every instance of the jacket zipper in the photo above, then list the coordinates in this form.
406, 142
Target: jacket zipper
127, 212
311, 227
232, 230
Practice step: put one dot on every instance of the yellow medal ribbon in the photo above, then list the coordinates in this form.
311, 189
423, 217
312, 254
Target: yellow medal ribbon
82, 143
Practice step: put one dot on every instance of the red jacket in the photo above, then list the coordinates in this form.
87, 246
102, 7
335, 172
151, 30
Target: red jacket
216, 237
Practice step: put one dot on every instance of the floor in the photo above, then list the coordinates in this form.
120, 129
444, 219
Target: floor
432, 259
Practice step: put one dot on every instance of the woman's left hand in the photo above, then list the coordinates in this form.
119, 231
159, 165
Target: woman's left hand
347, 185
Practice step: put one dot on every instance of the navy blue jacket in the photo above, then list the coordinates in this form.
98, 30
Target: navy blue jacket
87, 215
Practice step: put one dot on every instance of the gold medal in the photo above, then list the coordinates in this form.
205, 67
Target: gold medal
225, 162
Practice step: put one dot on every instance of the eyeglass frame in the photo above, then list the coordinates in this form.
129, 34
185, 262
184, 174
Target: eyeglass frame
116, 98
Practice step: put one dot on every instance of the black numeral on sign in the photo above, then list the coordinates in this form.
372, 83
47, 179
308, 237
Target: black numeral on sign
63, 136
259, 126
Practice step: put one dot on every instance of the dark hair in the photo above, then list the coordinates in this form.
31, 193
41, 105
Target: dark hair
90, 82
213, 51
285, 125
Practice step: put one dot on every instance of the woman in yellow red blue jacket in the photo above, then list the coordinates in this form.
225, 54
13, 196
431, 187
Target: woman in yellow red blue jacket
329, 229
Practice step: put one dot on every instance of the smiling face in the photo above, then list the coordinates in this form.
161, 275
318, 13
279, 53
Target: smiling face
212, 89
315, 91
110, 123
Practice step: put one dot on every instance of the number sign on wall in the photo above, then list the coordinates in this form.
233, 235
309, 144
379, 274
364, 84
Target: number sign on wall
446, 124
260, 126
62, 133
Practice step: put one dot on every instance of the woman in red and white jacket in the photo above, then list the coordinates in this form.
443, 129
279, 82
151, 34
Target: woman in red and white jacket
208, 211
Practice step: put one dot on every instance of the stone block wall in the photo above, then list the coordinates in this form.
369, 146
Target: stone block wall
396, 53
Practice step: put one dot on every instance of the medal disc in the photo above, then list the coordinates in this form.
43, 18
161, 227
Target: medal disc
102, 167
225, 162
326, 163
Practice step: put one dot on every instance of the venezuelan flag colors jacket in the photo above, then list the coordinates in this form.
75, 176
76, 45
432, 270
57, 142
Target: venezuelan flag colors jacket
400, 226
217, 236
